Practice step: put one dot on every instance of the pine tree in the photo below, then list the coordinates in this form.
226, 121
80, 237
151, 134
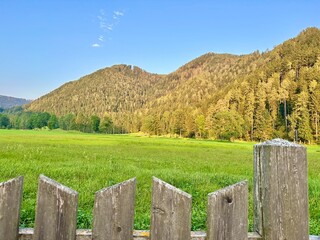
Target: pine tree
300, 119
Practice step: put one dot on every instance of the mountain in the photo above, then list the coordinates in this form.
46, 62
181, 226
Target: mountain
9, 102
120, 88
123, 88
254, 96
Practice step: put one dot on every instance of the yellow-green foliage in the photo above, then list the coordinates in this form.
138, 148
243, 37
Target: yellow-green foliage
274, 94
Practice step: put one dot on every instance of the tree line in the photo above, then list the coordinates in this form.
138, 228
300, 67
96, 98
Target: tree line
218, 96
19, 119
281, 98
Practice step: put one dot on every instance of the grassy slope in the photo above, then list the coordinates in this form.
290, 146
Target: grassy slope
88, 162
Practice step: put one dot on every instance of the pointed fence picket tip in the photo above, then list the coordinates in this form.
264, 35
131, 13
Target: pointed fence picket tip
171, 187
56, 213
170, 212
118, 185
10, 204
44, 179
113, 214
227, 213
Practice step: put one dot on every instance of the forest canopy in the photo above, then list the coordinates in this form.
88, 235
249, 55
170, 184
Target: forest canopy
220, 96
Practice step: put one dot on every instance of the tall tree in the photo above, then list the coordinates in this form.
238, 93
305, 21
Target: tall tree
201, 124
106, 124
95, 123
262, 126
4, 121
314, 89
227, 125
300, 119
67, 122
53, 122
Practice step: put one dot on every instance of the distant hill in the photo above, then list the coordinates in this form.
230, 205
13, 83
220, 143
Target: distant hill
9, 102
120, 88
254, 96
123, 89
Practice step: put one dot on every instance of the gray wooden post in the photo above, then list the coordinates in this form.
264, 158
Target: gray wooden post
56, 213
171, 212
281, 190
10, 202
228, 213
113, 213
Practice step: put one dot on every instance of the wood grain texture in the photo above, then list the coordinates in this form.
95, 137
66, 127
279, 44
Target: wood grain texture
170, 212
281, 191
228, 213
56, 213
10, 202
85, 234
114, 212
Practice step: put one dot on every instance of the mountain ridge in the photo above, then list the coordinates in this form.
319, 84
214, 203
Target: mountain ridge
260, 90
9, 102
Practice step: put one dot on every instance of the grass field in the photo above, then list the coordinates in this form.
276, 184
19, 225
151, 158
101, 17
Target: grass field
90, 162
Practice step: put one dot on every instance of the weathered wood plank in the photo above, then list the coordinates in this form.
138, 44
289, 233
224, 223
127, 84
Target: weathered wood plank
281, 190
56, 213
114, 212
10, 202
254, 236
26, 233
227, 213
170, 212
85, 234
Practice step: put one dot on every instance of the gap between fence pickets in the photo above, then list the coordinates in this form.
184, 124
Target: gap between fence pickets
83, 234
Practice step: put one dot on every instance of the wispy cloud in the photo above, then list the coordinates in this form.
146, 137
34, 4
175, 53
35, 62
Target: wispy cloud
102, 20
110, 27
117, 14
107, 23
101, 38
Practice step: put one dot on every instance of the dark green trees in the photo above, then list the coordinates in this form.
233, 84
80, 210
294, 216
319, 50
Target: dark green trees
95, 123
53, 122
4, 121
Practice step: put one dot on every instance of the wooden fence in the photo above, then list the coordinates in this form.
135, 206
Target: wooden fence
280, 206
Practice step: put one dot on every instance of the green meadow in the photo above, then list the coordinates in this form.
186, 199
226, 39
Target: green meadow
90, 162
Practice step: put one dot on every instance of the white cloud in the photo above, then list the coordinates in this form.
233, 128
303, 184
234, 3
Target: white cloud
102, 20
118, 13
101, 38
107, 23
110, 27
103, 25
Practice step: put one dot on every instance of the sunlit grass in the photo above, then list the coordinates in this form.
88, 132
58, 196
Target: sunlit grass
89, 162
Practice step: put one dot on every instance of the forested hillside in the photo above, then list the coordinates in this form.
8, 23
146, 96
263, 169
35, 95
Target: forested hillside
120, 88
252, 97
280, 99
8, 102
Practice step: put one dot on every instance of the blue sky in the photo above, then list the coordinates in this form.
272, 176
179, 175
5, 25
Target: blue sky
45, 43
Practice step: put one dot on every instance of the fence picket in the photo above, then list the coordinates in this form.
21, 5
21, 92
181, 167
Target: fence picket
114, 212
281, 190
56, 213
228, 213
280, 206
10, 202
171, 212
